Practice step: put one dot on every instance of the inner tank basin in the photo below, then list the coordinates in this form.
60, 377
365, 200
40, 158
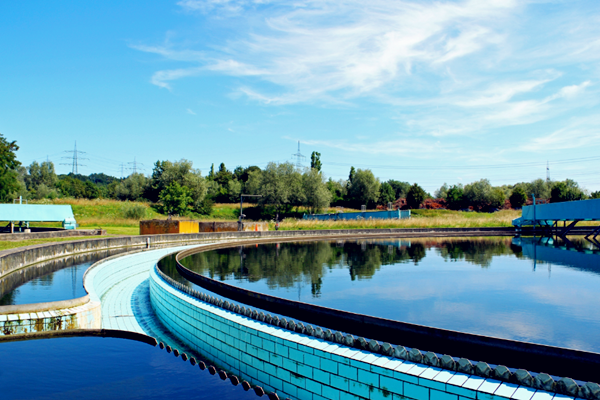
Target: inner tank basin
424, 318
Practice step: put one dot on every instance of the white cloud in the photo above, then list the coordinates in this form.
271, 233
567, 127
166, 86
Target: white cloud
570, 92
351, 47
578, 133
190, 111
161, 78
449, 67
416, 148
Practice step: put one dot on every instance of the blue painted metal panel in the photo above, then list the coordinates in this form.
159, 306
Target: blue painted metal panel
546, 214
395, 214
36, 213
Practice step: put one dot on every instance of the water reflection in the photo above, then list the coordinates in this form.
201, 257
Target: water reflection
53, 280
488, 286
575, 253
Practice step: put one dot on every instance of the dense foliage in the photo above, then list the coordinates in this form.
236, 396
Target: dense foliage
8, 169
176, 188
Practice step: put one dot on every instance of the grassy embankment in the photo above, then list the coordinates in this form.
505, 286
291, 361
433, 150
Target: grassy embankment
116, 217
419, 219
122, 218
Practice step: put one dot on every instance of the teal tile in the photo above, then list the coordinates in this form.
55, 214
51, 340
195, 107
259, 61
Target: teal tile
329, 366
441, 395
415, 391
359, 389
368, 378
330, 393
339, 382
321, 376
305, 370
313, 386
348, 371
380, 394
393, 385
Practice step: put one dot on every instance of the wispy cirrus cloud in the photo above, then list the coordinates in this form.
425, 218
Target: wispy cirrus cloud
579, 132
315, 48
449, 67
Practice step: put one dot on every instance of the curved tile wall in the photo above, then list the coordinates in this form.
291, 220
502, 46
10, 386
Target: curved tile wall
306, 367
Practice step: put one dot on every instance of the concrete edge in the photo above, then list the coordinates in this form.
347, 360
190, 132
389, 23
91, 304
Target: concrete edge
13, 237
37, 307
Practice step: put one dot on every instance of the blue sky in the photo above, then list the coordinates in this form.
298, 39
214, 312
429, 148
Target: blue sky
418, 91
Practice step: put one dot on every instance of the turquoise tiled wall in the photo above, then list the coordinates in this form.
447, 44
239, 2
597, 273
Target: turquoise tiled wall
302, 367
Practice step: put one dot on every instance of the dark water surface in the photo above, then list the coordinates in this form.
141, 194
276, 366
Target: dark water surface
53, 280
104, 368
488, 286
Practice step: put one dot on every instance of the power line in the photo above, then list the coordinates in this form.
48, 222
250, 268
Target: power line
75, 163
135, 165
299, 156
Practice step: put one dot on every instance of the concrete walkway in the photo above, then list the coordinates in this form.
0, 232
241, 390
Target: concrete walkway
121, 285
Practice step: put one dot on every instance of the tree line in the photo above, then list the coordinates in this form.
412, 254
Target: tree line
177, 188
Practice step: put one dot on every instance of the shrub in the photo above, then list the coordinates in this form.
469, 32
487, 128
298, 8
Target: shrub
134, 211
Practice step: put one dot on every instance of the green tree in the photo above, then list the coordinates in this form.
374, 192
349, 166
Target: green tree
455, 197
364, 189
8, 166
223, 176
41, 175
351, 175
442, 192
337, 190
280, 186
567, 190
400, 188
181, 172
234, 190
497, 198
71, 187
315, 161
91, 190
175, 199
387, 194
595, 195
316, 195
518, 197
415, 196
131, 188
540, 188
41, 180
478, 194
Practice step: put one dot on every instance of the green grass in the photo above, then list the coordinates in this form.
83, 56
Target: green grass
110, 215
5, 244
419, 219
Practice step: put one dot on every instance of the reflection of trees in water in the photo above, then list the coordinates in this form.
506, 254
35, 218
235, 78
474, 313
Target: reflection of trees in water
364, 259
9, 298
281, 265
285, 265
42, 273
478, 252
